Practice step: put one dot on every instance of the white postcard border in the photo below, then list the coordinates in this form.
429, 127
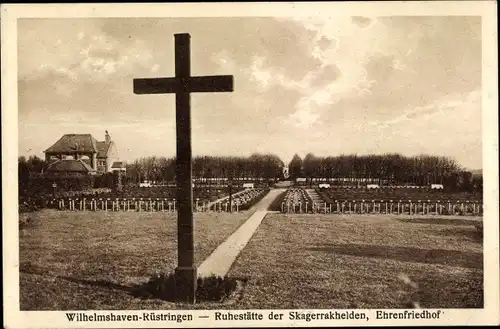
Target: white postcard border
55, 319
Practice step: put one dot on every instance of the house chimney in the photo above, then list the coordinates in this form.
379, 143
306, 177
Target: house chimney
107, 138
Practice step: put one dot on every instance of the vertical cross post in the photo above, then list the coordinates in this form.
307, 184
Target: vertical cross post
182, 85
185, 273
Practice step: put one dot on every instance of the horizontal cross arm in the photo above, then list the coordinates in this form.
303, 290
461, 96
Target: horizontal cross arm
206, 84
211, 84
155, 86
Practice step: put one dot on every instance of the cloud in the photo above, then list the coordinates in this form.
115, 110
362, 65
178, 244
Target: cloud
155, 68
343, 51
81, 56
104, 56
223, 59
449, 121
302, 118
321, 81
362, 22
62, 72
267, 76
261, 76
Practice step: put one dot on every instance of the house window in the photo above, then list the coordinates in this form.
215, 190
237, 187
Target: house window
101, 162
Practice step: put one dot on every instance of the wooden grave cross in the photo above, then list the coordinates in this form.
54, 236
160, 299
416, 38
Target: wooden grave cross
182, 85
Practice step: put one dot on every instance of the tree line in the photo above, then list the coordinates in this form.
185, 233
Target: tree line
267, 166
27, 166
156, 168
391, 169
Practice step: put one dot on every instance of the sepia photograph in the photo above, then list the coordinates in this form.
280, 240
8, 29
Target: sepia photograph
210, 167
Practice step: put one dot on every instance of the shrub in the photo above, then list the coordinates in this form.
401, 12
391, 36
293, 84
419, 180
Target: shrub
104, 181
162, 286
34, 202
64, 183
38, 192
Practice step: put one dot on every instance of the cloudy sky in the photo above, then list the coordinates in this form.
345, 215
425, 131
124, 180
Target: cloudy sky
410, 85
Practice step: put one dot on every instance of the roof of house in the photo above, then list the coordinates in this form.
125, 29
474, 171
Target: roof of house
72, 143
118, 164
80, 143
69, 165
102, 149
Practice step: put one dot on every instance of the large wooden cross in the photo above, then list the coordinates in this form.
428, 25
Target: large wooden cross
182, 85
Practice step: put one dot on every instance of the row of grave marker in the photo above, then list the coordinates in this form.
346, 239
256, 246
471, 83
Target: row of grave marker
388, 207
150, 205
157, 204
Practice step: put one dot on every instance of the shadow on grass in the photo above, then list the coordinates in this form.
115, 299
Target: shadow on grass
437, 221
451, 292
210, 289
407, 254
467, 233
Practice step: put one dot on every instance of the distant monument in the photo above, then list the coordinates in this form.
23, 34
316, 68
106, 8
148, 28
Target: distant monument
286, 173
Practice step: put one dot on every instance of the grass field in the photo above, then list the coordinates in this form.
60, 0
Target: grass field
318, 261
89, 260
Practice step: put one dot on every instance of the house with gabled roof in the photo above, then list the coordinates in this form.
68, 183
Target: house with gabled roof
72, 150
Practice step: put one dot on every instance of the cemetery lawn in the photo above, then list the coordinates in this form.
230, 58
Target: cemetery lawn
335, 262
89, 260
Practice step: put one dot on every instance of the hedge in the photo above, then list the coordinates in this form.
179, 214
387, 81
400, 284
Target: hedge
255, 200
43, 183
38, 191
